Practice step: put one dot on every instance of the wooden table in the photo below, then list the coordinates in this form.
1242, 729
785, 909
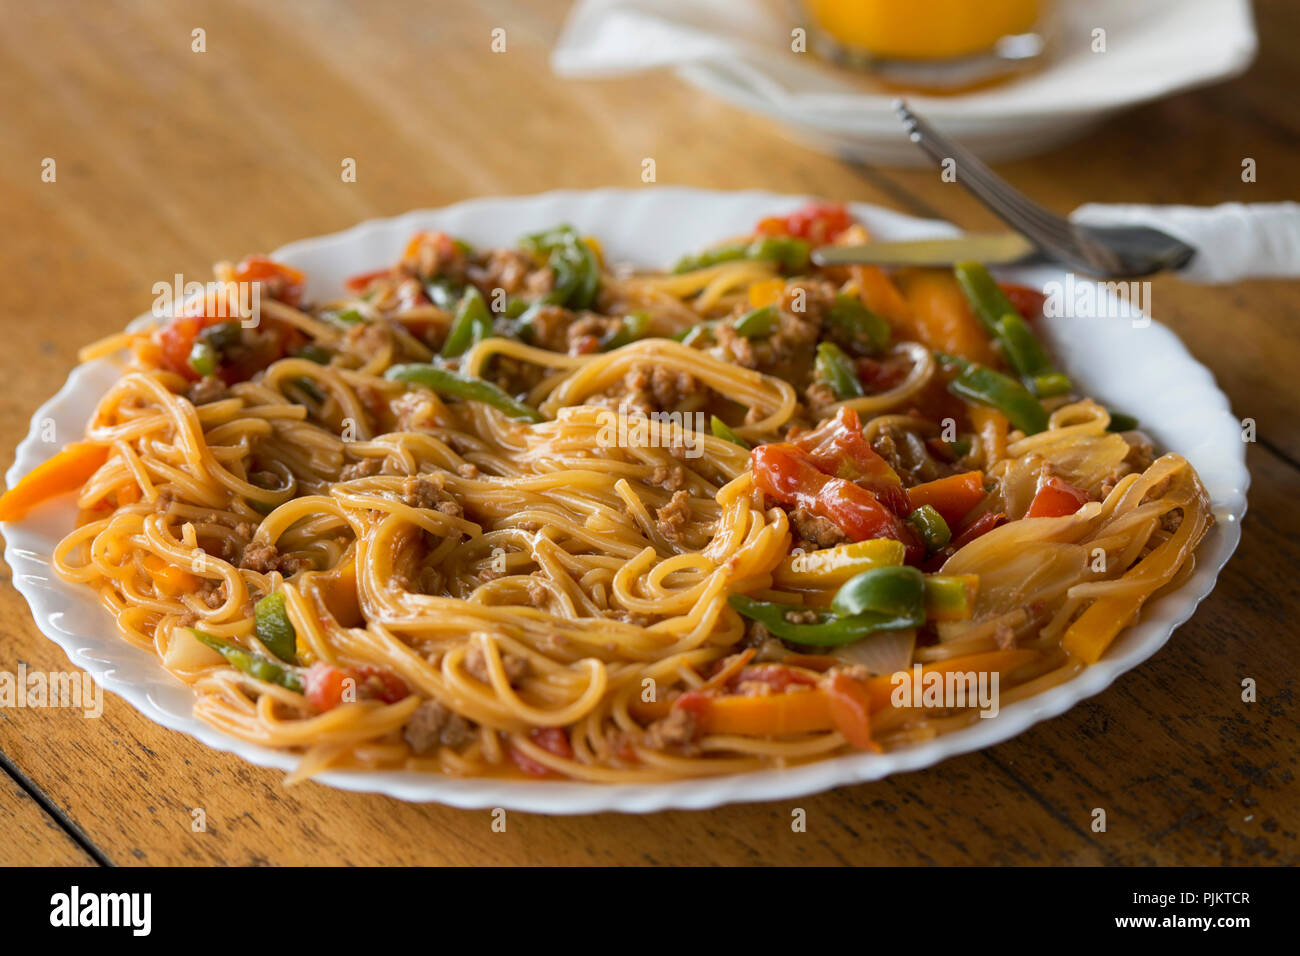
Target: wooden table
168, 159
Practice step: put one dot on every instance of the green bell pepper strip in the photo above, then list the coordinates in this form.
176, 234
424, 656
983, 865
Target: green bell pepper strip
825, 629
987, 300
757, 322
1120, 422
444, 293
949, 597
446, 382
1000, 318
577, 273
203, 358
344, 319
892, 591
315, 353
221, 336
930, 525
473, 322
1050, 384
254, 665
977, 383
1025, 354
699, 330
790, 254
633, 327
274, 629
722, 430
834, 369
857, 325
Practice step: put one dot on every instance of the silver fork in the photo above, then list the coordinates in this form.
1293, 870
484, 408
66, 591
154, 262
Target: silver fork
1120, 252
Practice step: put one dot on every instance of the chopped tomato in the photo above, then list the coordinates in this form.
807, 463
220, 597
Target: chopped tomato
176, 339
282, 282
980, 526
776, 678
818, 222
1056, 498
381, 684
790, 475
324, 686
443, 246
552, 739
839, 448
1028, 302
359, 283
879, 376
850, 709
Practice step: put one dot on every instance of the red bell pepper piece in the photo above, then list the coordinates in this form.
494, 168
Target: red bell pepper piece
790, 475
818, 222
1056, 498
838, 448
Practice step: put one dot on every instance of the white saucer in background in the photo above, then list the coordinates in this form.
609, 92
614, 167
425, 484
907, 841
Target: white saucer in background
739, 50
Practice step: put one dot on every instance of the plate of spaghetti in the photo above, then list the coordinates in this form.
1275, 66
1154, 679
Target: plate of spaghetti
615, 500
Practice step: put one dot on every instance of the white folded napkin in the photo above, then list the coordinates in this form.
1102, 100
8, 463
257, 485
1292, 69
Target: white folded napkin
1233, 241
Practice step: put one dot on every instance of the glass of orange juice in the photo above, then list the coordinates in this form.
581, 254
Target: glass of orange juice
930, 43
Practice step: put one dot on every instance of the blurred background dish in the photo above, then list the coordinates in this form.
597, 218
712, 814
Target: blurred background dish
1104, 56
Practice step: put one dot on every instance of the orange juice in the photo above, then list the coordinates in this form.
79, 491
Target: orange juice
924, 29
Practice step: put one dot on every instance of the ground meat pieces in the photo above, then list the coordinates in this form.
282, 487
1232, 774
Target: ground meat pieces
516, 667
206, 390
212, 593
368, 338
670, 478
648, 388
506, 269
549, 327
265, 558
433, 725
672, 389
735, 348
673, 517
414, 411
425, 492
906, 453
676, 730
815, 531
587, 333
360, 469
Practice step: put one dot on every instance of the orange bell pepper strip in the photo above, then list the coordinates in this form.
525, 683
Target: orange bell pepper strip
840, 702
953, 497
849, 703
882, 296
759, 715
66, 471
991, 426
943, 318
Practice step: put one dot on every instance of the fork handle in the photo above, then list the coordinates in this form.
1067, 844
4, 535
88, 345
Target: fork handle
1233, 241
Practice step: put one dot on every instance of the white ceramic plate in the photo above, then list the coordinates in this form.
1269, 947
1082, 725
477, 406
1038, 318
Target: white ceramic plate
739, 50
1146, 371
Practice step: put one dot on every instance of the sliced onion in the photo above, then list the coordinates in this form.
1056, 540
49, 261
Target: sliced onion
882, 653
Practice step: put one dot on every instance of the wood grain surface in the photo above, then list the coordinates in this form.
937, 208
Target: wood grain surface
169, 159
